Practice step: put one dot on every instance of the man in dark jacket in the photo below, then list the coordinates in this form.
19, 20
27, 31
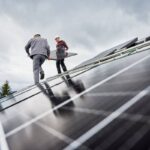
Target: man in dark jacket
40, 51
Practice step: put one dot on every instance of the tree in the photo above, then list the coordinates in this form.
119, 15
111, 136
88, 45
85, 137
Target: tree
6, 90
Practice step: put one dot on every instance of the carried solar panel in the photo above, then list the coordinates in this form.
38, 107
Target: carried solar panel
68, 54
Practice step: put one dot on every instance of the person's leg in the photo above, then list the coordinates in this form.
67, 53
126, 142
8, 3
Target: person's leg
58, 66
65, 69
36, 68
41, 74
41, 70
63, 65
42, 59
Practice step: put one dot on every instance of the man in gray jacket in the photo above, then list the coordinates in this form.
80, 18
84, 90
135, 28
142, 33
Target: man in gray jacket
40, 51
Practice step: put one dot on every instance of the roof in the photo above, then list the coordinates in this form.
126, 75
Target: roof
104, 106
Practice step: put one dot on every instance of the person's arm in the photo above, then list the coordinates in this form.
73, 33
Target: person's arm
27, 47
65, 45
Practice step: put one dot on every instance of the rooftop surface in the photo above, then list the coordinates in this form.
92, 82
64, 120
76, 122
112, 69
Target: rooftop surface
105, 107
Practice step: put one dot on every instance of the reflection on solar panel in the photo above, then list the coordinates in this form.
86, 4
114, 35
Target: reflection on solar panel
94, 106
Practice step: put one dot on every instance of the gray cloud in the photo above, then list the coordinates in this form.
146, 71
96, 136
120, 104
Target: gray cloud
82, 22
140, 9
85, 21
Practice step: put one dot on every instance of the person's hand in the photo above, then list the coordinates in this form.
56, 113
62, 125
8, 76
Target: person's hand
49, 58
66, 54
29, 56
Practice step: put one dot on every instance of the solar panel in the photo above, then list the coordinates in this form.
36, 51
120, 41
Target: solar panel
111, 51
54, 57
107, 103
128, 44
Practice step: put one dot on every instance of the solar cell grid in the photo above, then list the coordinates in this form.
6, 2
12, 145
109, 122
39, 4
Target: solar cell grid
64, 124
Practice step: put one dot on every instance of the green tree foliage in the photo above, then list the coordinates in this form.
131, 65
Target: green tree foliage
6, 90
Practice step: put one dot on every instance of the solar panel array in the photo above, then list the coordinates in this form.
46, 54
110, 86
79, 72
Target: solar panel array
110, 51
93, 107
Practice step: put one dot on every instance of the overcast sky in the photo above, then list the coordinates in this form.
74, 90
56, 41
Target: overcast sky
88, 26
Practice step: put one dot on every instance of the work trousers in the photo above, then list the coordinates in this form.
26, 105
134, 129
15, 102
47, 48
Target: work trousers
59, 64
38, 60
